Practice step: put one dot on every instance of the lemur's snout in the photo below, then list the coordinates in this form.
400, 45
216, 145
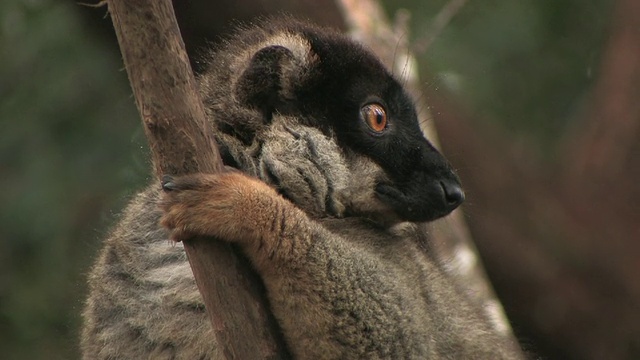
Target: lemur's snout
453, 194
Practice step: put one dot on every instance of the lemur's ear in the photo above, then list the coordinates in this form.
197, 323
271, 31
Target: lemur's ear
261, 84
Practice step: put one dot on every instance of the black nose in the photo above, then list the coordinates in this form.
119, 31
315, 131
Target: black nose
453, 194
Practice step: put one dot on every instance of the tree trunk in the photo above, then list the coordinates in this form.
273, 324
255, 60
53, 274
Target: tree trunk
175, 125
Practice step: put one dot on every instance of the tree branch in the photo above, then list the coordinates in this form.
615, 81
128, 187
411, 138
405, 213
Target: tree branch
439, 23
602, 148
174, 122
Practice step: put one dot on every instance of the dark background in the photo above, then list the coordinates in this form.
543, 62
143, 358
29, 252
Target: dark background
536, 102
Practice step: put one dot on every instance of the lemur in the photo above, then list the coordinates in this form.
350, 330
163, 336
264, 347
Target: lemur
334, 181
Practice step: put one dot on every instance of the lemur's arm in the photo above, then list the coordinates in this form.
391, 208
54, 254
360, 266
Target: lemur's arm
275, 235
240, 209
322, 289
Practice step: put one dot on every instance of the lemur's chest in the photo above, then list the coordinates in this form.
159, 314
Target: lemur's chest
402, 250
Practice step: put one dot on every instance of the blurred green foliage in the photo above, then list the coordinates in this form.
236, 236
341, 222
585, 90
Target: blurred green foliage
72, 150
69, 146
524, 64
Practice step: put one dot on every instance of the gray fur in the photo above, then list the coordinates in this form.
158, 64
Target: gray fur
345, 281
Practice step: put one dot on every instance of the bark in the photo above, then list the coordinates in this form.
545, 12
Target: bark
174, 121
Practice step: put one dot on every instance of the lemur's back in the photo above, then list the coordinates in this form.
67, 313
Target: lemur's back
332, 226
143, 302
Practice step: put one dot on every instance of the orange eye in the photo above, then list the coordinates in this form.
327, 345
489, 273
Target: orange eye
375, 116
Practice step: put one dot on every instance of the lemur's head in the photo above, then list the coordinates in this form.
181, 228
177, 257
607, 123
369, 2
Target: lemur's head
320, 118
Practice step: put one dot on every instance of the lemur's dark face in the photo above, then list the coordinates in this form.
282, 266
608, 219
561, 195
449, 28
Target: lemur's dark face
370, 113
301, 81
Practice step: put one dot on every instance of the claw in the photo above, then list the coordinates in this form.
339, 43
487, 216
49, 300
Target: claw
168, 184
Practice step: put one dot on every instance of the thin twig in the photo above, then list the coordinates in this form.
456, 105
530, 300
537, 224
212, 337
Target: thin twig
439, 24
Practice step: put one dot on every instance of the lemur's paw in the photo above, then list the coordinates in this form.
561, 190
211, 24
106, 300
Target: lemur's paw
222, 205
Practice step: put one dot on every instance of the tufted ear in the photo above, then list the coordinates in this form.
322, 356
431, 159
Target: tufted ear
261, 84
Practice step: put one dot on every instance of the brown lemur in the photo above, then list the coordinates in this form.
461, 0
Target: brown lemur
335, 178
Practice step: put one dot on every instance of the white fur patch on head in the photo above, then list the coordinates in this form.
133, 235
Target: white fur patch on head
299, 46
303, 58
